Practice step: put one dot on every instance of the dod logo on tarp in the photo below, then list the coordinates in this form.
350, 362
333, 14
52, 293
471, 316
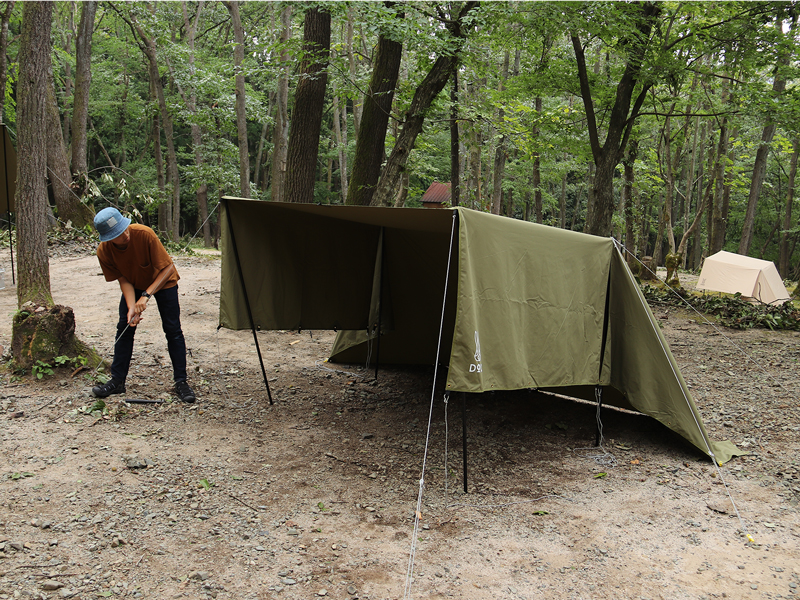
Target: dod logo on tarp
476, 367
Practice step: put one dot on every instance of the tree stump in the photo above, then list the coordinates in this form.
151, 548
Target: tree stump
41, 334
672, 262
647, 272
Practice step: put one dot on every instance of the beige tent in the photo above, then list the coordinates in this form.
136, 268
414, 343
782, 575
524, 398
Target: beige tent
754, 279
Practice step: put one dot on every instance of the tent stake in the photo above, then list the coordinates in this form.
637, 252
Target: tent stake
380, 303
464, 435
247, 299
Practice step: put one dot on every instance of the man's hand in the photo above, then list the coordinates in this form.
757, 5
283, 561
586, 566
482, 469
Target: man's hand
134, 318
141, 305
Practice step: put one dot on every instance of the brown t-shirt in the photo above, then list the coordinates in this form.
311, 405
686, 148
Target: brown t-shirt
140, 262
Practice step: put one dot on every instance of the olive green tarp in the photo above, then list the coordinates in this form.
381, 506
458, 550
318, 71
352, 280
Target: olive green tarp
526, 305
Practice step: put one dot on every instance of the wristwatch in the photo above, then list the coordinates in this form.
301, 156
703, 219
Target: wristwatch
146, 295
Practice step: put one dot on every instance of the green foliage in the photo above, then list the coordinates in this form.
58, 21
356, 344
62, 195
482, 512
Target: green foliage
706, 64
41, 368
730, 311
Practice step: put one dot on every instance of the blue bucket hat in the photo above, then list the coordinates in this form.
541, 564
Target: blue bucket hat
110, 224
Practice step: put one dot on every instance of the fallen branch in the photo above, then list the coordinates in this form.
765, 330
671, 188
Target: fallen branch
243, 502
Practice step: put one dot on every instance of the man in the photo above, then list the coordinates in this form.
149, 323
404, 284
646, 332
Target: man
133, 255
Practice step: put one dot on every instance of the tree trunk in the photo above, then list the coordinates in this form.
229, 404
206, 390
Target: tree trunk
171, 214
455, 157
618, 124
83, 80
241, 107
69, 34
500, 151
475, 144
358, 106
164, 208
370, 143
70, 208
424, 96
402, 193
697, 244
690, 171
627, 199
537, 174
33, 283
309, 101
341, 144
201, 193
280, 137
760, 164
718, 217
257, 175
783, 262
658, 248
6, 17
669, 195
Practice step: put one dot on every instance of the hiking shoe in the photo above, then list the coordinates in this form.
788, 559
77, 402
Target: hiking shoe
110, 387
184, 392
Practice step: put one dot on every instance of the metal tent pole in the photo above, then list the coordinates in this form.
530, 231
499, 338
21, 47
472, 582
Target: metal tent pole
246, 298
464, 434
380, 301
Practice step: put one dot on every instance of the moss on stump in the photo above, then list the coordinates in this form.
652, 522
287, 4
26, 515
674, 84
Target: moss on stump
41, 333
672, 262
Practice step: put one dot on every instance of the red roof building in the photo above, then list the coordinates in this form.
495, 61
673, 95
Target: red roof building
436, 195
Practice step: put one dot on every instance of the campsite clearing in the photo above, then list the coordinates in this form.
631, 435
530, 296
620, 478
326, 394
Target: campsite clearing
314, 496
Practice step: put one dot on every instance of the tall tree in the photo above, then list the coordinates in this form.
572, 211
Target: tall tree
280, 136
424, 96
500, 151
83, 81
147, 44
785, 251
358, 106
627, 198
340, 137
375, 117
190, 99
455, 154
309, 102
619, 124
69, 205
32, 133
760, 163
241, 105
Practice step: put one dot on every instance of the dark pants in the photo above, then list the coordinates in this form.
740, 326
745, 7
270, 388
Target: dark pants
170, 311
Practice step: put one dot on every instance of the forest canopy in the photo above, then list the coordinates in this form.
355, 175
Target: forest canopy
672, 126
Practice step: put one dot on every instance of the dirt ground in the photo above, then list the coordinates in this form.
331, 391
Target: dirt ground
314, 495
